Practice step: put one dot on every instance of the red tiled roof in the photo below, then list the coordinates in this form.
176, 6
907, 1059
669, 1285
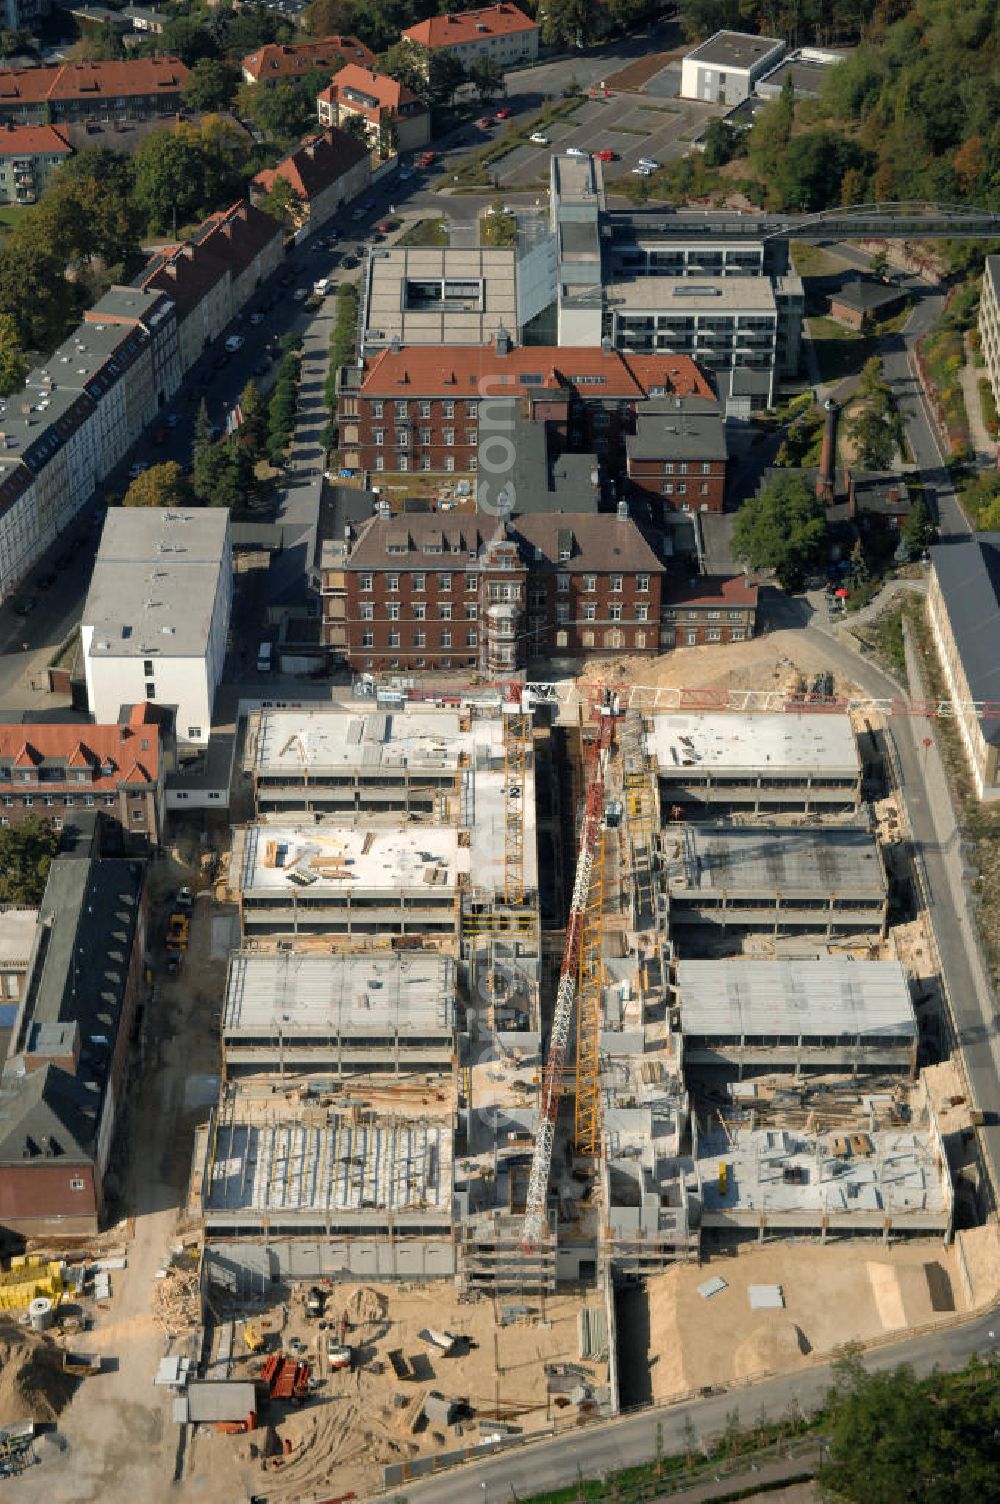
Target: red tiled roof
316, 164
389, 94
132, 751
225, 242
275, 61
710, 590
98, 81
457, 370
470, 26
33, 140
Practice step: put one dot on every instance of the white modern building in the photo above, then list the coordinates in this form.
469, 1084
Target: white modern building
989, 321
724, 69
76, 418
157, 615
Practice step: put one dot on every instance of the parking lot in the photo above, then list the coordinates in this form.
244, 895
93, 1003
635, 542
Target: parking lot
632, 125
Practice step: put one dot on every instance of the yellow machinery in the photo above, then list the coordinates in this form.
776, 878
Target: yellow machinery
589, 1011
27, 1279
253, 1337
640, 815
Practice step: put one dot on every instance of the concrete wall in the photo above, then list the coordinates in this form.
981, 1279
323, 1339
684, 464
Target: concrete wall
252, 1267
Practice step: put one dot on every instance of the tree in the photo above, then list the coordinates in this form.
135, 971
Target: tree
781, 528
13, 366
282, 202
486, 77
407, 65
879, 263
445, 76
211, 86
918, 527
252, 431
894, 1440
159, 486
808, 173
569, 23
770, 134
222, 475
281, 110
26, 853
722, 143
202, 429
188, 38
355, 126
33, 290
330, 18
388, 139
88, 210
168, 178
874, 436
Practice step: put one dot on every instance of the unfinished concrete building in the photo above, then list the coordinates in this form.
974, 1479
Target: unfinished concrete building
491, 1182
795, 1016
288, 1012
729, 881
765, 763
873, 1166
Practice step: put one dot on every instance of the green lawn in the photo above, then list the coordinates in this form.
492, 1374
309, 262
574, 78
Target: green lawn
10, 214
811, 261
425, 232
840, 352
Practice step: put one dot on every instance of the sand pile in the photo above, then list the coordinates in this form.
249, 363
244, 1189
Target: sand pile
909, 1295
366, 1305
32, 1383
777, 1344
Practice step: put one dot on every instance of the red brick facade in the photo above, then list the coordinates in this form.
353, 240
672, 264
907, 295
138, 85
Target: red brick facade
680, 485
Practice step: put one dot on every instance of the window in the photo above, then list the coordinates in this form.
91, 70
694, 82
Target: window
420, 638
367, 611
448, 436
418, 582
562, 639
392, 582
109, 801
88, 799
692, 636
714, 615
470, 582
587, 639
425, 462
714, 634
368, 639
470, 639
377, 409
683, 469
394, 639
393, 609
404, 462
668, 488
448, 408
640, 639
471, 611
49, 801
425, 409
68, 801
590, 582
590, 613
444, 581
562, 583
425, 436
616, 613
147, 667
642, 613
706, 469
736, 616
419, 611
642, 582
446, 638
449, 462
380, 462
562, 611
669, 614
668, 469
366, 582
28, 801
379, 436
77, 1183
681, 488
401, 410
737, 634
616, 582
703, 489
444, 611
472, 436
150, 690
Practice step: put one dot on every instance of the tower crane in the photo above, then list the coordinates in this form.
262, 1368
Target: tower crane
534, 1226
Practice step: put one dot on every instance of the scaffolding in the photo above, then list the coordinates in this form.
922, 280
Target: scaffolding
516, 742
641, 817
589, 1011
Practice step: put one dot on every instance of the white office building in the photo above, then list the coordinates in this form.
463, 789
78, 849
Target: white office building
157, 615
724, 69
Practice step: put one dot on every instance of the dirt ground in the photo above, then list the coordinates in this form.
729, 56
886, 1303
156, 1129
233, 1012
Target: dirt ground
857, 1291
773, 661
116, 1442
354, 1425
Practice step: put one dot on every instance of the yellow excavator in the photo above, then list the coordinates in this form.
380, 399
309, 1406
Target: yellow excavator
253, 1337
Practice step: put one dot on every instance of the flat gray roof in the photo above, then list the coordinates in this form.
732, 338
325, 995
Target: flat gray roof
736, 741
734, 49
693, 295
155, 581
823, 860
488, 275
360, 737
681, 434
855, 999
295, 993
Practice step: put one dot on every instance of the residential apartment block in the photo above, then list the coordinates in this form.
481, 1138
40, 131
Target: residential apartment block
502, 33
963, 603
324, 173
54, 769
65, 1076
29, 155
381, 102
142, 88
417, 408
78, 415
274, 64
211, 276
989, 322
156, 617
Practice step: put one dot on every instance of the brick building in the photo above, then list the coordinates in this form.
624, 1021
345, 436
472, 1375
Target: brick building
380, 101
420, 592
712, 608
418, 408
677, 455
142, 88
53, 769
275, 64
65, 1076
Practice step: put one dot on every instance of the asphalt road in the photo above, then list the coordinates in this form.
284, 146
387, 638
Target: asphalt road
633, 1439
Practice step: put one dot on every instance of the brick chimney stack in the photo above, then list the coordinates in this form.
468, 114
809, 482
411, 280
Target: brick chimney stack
826, 479
852, 500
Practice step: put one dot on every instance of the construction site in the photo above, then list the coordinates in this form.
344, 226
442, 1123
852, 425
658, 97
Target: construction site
524, 1028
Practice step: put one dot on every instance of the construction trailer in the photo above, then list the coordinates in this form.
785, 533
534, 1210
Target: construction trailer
321, 1014
711, 762
826, 880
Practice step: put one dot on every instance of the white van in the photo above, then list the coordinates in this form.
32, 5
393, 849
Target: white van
265, 657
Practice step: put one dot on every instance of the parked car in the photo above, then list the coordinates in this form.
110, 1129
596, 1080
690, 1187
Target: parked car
643, 172
539, 138
650, 162
320, 286
606, 154
24, 605
256, 318
136, 469
405, 173
368, 203
386, 227
485, 123
235, 342
350, 262
575, 151
505, 113
357, 213
171, 420
300, 294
